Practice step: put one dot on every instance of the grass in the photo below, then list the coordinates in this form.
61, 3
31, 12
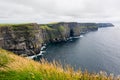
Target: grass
4, 25
53, 23
45, 27
61, 28
13, 67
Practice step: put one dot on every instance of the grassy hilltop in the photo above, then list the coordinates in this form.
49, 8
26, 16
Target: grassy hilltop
13, 67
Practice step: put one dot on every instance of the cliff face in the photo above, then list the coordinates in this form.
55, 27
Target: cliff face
27, 39
105, 24
23, 38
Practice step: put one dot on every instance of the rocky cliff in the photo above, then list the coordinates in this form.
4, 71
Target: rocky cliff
105, 24
28, 39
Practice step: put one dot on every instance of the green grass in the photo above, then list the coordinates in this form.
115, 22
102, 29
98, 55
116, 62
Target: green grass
13, 67
45, 27
4, 59
4, 25
61, 28
53, 23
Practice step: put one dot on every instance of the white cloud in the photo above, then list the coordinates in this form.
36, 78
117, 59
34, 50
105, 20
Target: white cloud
44, 11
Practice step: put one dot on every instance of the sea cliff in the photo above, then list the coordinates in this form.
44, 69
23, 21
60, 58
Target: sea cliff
27, 39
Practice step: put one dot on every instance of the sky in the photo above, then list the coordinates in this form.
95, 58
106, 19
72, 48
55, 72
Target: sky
47, 11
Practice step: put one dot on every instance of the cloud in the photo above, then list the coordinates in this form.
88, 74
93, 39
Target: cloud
44, 11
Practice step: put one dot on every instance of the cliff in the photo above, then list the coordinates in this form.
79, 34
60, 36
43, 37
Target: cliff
105, 25
28, 39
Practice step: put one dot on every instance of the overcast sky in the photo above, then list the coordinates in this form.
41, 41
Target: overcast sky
45, 11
